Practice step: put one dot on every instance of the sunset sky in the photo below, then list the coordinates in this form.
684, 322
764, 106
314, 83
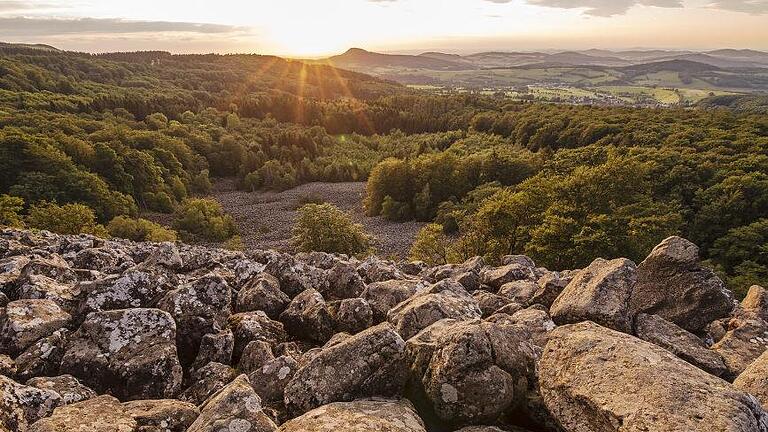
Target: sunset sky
322, 27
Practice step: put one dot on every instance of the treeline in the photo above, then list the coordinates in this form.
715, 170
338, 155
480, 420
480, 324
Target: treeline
568, 184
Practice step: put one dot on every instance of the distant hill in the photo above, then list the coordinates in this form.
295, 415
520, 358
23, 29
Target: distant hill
40, 47
686, 66
357, 58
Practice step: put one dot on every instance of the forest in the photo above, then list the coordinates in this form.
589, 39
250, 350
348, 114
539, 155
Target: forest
122, 134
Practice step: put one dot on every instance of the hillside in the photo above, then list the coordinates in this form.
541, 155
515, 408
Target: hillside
98, 334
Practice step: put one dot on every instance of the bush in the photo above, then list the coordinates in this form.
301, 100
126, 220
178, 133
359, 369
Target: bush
66, 219
10, 209
431, 246
201, 183
139, 230
325, 228
203, 218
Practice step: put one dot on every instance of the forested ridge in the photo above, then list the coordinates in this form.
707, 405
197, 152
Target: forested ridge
126, 133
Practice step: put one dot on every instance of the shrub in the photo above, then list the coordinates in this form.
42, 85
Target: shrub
66, 219
201, 183
139, 230
10, 209
325, 228
431, 246
203, 218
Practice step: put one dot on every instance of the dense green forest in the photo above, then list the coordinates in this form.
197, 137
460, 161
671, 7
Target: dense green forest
128, 133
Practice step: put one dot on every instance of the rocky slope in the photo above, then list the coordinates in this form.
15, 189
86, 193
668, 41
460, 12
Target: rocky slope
118, 336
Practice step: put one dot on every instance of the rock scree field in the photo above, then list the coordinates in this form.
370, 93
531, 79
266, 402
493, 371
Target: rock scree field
113, 335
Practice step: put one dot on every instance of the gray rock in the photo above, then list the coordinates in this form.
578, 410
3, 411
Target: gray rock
7, 366
672, 272
262, 293
270, 379
255, 355
67, 296
236, 407
495, 277
658, 331
489, 303
351, 315
68, 387
377, 415
343, 282
371, 363
129, 353
596, 379
383, 296
206, 381
445, 299
308, 318
599, 293
215, 347
255, 326
23, 322
43, 357
22, 405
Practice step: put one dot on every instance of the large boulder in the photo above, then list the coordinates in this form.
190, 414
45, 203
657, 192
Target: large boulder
672, 283
599, 293
23, 322
52, 266
445, 299
162, 415
343, 282
473, 371
43, 357
270, 380
308, 318
596, 379
206, 381
754, 379
371, 363
134, 288
687, 346
254, 326
375, 415
101, 414
743, 343
199, 307
129, 353
236, 407
295, 276
383, 296
495, 277
756, 302
351, 315
215, 347
262, 293
22, 405
67, 296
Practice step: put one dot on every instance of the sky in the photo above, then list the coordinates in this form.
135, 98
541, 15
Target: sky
314, 28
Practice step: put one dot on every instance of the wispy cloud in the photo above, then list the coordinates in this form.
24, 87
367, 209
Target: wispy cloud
757, 7
24, 26
604, 8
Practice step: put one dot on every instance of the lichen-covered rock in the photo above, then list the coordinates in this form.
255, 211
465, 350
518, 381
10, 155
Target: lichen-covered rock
519, 291
7, 366
136, 287
215, 347
23, 322
754, 379
52, 266
270, 379
495, 277
236, 407
658, 331
100, 414
206, 381
383, 296
489, 302
255, 355
199, 307
129, 353
161, 415
445, 299
343, 282
68, 387
599, 293
550, 286
351, 315
22, 405
756, 302
262, 293
67, 296
43, 357
745, 341
104, 259
595, 379
255, 326
375, 269
671, 283
376, 415
371, 363
537, 321
308, 318
473, 371
296, 277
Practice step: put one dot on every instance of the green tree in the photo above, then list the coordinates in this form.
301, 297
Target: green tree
325, 228
139, 230
10, 211
431, 245
204, 219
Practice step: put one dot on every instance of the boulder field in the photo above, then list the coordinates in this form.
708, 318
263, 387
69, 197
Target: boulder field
117, 336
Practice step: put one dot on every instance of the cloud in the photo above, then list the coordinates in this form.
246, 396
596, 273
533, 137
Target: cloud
28, 27
756, 7
604, 8
11, 6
